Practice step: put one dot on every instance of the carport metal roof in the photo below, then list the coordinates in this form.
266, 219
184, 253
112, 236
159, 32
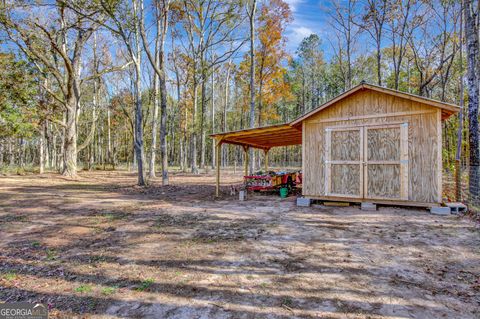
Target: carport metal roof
263, 137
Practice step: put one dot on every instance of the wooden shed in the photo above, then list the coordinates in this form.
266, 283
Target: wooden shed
368, 144
374, 144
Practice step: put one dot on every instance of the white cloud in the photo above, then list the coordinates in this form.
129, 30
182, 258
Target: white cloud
293, 4
295, 35
301, 32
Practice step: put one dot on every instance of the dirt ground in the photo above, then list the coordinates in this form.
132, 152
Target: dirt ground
99, 247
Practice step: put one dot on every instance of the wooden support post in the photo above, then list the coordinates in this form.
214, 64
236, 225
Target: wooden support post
245, 148
218, 149
266, 159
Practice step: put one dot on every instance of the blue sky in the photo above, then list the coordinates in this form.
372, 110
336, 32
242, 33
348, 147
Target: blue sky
309, 16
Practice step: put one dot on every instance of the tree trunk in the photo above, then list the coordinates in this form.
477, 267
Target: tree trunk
1, 153
54, 157
252, 76
183, 137
458, 153
91, 152
304, 88
21, 152
48, 145
42, 147
471, 34
139, 155
109, 139
163, 120
156, 93
61, 153
225, 107
11, 155
163, 103
213, 120
70, 142
203, 98
194, 133
379, 64
260, 97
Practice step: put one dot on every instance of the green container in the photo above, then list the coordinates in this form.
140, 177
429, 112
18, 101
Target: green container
283, 192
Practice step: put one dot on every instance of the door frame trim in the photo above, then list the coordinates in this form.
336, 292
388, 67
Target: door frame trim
363, 162
402, 162
329, 162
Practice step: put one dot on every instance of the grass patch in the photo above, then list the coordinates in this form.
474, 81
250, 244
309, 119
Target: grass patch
13, 218
109, 290
264, 285
83, 289
51, 254
36, 244
9, 276
145, 284
115, 216
19, 170
97, 259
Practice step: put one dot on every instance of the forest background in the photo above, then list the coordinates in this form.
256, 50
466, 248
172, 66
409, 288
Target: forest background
142, 83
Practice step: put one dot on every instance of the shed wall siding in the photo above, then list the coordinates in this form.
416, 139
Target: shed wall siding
369, 107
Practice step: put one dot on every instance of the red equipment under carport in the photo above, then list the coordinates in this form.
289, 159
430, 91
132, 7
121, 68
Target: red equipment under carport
272, 181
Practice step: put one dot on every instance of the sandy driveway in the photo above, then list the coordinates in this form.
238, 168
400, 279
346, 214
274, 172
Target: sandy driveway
101, 248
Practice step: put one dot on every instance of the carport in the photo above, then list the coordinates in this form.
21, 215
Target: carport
263, 138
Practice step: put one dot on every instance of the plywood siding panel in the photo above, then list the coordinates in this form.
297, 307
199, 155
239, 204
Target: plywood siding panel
422, 159
439, 156
313, 159
345, 180
404, 161
383, 181
383, 144
345, 145
390, 105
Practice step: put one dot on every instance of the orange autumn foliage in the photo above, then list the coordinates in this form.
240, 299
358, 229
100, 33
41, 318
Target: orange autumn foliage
271, 60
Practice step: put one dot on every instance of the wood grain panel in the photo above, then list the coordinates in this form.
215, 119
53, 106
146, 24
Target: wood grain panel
383, 181
422, 154
345, 179
313, 159
383, 144
404, 161
328, 165
345, 145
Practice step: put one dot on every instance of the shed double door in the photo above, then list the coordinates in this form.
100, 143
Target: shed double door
368, 162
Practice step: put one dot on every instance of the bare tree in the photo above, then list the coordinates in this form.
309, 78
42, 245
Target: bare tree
208, 25
343, 18
471, 13
373, 21
162, 8
225, 105
403, 19
458, 151
213, 115
181, 80
251, 10
123, 22
434, 54
55, 47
